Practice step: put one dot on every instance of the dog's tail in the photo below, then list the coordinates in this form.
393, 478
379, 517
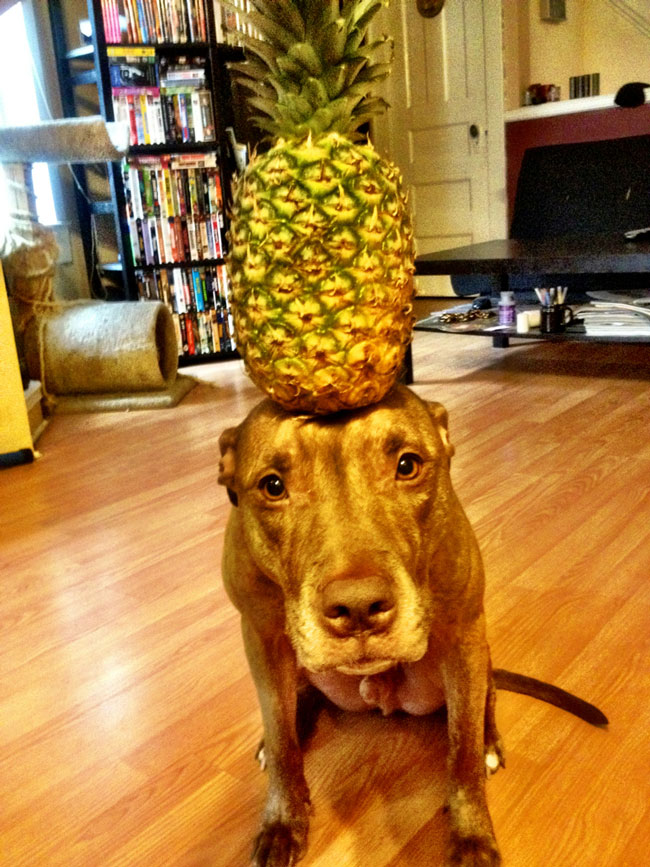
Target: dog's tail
524, 685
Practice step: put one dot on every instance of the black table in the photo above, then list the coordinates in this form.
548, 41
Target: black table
586, 254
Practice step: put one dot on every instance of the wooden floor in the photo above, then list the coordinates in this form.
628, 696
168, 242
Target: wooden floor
127, 718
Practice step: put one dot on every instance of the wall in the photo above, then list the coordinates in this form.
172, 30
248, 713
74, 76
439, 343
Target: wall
555, 48
614, 46
594, 38
516, 52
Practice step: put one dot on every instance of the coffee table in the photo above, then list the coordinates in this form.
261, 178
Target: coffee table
586, 254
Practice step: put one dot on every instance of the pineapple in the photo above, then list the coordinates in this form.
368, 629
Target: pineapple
321, 244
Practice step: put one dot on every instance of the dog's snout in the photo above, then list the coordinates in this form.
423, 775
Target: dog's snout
354, 605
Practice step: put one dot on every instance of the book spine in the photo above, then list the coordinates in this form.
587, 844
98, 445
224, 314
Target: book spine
164, 23
203, 24
191, 21
197, 291
191, 234
107, 15
136, 196
157, 20
595, 84
189, 111
182, 107
173, 18
192, 332
207, 115
151, 23
197, 117
131, 32
169, 118
179, 295
138, 19
106, 23
142, 21
146, 135
117, 27
160, 124
177, 118
216, 231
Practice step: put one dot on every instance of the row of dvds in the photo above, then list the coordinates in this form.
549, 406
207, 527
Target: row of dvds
174, 207
158, 241
172, 185
202, 333
154, 21
154, 116
164, 101
584, 85
197, 299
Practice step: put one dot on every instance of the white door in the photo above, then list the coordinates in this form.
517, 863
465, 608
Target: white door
446, 93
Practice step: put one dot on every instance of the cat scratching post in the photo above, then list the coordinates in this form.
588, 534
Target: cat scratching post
71, 140
89, 356
99, 356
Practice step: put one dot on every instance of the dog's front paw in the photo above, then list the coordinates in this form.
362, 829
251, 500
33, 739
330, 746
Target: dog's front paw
280, 844
472, 851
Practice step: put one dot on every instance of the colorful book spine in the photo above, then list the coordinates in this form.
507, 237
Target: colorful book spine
132, 32
108, 20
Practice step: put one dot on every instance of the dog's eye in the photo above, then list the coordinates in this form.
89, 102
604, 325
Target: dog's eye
272, 487
408, 466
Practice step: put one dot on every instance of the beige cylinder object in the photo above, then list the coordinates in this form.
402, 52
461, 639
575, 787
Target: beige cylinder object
103, 348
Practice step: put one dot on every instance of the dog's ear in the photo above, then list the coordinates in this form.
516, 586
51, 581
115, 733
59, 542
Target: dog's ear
228, 449
440, 420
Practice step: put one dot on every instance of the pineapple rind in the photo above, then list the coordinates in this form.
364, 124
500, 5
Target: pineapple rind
321, 263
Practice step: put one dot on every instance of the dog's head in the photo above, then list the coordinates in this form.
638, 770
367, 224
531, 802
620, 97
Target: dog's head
348, 515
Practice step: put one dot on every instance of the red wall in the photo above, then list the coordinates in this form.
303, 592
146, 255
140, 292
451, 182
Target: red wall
605, 123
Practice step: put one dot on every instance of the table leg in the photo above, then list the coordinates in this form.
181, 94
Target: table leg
406, 375
502, 341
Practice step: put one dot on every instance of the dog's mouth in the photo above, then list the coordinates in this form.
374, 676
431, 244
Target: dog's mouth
365, 667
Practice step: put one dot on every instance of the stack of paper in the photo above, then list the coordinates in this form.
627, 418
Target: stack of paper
605, 319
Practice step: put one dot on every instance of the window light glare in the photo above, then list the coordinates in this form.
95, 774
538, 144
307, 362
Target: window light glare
18, 101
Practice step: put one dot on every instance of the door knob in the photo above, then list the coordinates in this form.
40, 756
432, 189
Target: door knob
474, 130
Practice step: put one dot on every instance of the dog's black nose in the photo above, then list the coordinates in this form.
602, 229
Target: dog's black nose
353, 605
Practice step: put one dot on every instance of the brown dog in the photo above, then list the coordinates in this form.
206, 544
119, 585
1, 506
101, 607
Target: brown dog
356, 571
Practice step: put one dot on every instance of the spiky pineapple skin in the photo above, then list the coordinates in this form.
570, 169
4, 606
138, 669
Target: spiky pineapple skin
321, 265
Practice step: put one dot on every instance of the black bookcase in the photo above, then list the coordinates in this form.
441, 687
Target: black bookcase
185, 270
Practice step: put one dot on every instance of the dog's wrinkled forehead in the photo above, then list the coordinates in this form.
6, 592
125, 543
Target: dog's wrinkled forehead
272, 438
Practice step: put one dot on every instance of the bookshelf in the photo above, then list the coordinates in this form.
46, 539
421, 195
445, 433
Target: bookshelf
158, 66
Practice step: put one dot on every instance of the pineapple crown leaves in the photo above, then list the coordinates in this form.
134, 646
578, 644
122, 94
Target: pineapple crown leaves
311, 70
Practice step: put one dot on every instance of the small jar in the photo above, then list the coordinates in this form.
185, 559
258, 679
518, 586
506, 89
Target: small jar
507, 309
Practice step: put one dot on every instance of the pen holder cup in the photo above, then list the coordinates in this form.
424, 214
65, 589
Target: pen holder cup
554, 319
